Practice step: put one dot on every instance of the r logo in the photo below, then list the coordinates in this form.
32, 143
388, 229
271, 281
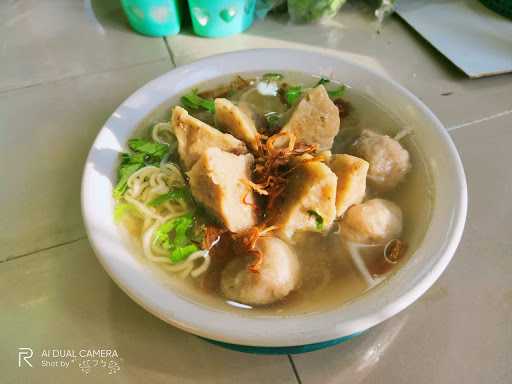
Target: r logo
25, 354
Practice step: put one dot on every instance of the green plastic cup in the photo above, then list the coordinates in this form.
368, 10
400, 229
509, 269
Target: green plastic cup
153, 17
219, 18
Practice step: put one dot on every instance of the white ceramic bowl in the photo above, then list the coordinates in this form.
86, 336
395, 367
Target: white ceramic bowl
402, 289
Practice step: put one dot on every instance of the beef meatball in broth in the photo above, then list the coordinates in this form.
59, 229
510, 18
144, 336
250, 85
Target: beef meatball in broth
278, 275
376, 221
389, 161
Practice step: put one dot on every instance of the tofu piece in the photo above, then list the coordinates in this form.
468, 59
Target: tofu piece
256, 117
308, 201
315, 120
351, 188
230, 118
195, 137
216, 181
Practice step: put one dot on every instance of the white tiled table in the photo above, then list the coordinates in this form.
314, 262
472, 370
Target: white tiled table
66, 64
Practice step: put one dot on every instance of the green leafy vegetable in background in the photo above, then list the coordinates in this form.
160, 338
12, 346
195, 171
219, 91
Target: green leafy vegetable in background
318, 219
193, 101
145, 153
174, 195
293, 94
307, 11
175, 236
272, 77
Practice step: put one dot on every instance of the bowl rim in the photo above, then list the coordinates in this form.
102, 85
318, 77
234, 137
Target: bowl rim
293, 330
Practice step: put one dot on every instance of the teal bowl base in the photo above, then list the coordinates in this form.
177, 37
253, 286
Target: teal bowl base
293, 350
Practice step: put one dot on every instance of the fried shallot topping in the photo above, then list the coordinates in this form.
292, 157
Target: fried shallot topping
245, 243
212, 236
275, 158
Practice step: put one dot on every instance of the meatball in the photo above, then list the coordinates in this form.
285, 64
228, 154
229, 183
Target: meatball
278, 275
389, 161
376, 221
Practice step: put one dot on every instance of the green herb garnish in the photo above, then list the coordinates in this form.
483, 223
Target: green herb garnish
322, 80
181, 253
174, 195
318, 219
272, 77
293, 94
337, 93
145, 153
123, 173
149, 148
193, 101
175, 236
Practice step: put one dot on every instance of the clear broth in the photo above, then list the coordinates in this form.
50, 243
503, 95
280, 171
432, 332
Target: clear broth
332, 278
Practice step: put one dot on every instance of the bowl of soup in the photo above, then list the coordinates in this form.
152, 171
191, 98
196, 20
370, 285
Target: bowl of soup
274, 200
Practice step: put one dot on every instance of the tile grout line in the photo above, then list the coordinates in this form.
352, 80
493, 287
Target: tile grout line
43, 249
169, 51
73, 77
294, 368
487, 118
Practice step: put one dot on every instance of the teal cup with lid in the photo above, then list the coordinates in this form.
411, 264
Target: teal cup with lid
219, 18
153, 17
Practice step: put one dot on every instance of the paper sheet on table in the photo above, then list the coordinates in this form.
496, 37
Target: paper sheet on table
473, 37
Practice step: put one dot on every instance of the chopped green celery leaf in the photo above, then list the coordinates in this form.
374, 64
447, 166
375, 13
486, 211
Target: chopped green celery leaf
187, 104
174, 195
193, 101
272, 77
123, 208
338, 92
148, 147
163, 231
133, 158
293, 94
124, 172
318, 219
181, 231
180, 245
182, 253
322, 80
145, 153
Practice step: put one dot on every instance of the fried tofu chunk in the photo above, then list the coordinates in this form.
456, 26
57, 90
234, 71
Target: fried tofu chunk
195, 137
315, 120
351, 188
231, 119
217, 182
308, 203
